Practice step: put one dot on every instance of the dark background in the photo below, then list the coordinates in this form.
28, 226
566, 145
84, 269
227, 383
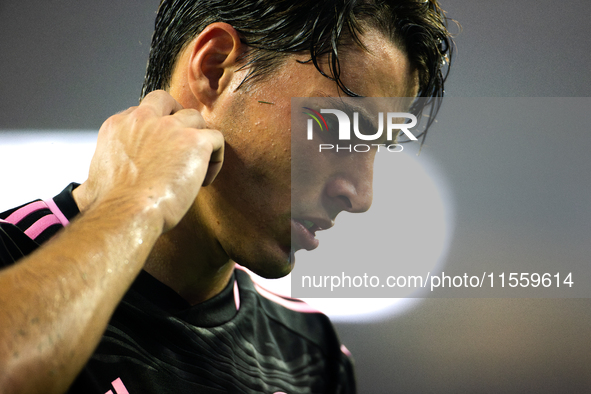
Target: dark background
70, 65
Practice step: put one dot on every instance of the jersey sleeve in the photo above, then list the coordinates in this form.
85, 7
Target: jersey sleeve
14, 244
24, 228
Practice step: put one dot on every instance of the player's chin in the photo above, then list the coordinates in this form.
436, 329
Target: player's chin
276, 264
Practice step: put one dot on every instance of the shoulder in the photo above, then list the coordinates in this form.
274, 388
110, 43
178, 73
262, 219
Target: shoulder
294, 315
309, 325
18, 231
24, 228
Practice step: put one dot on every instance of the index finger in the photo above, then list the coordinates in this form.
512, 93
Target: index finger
191, 118
162, 102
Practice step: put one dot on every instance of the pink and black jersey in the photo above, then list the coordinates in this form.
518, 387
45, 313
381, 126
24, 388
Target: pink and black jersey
244, 340
24, 228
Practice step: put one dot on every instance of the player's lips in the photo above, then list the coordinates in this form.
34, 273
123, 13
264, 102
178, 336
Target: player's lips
303, 232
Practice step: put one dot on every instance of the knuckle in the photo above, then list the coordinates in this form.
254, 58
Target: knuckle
142, 112
188, 111
126, 111
202, 142
169, 122
155, 94
110, 124
191, 117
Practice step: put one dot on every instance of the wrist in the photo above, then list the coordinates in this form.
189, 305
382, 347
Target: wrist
138, 210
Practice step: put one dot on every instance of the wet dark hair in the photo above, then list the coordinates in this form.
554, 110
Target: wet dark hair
273, 29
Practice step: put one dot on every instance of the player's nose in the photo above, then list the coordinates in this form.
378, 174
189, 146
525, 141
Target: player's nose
352, 192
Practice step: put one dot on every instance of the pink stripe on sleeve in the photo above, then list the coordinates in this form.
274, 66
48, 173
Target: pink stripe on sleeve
41, 225
25, 211
57, 212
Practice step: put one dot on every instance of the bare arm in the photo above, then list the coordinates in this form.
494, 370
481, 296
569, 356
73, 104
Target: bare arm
56, 303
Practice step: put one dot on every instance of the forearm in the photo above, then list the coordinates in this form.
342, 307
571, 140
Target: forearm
56, 303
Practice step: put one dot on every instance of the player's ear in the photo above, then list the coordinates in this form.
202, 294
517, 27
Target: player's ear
213, 62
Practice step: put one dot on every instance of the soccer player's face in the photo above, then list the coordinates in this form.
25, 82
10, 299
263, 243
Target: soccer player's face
253, 208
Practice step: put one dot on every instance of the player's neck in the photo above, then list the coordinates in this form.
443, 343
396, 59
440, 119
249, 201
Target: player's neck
191, 263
